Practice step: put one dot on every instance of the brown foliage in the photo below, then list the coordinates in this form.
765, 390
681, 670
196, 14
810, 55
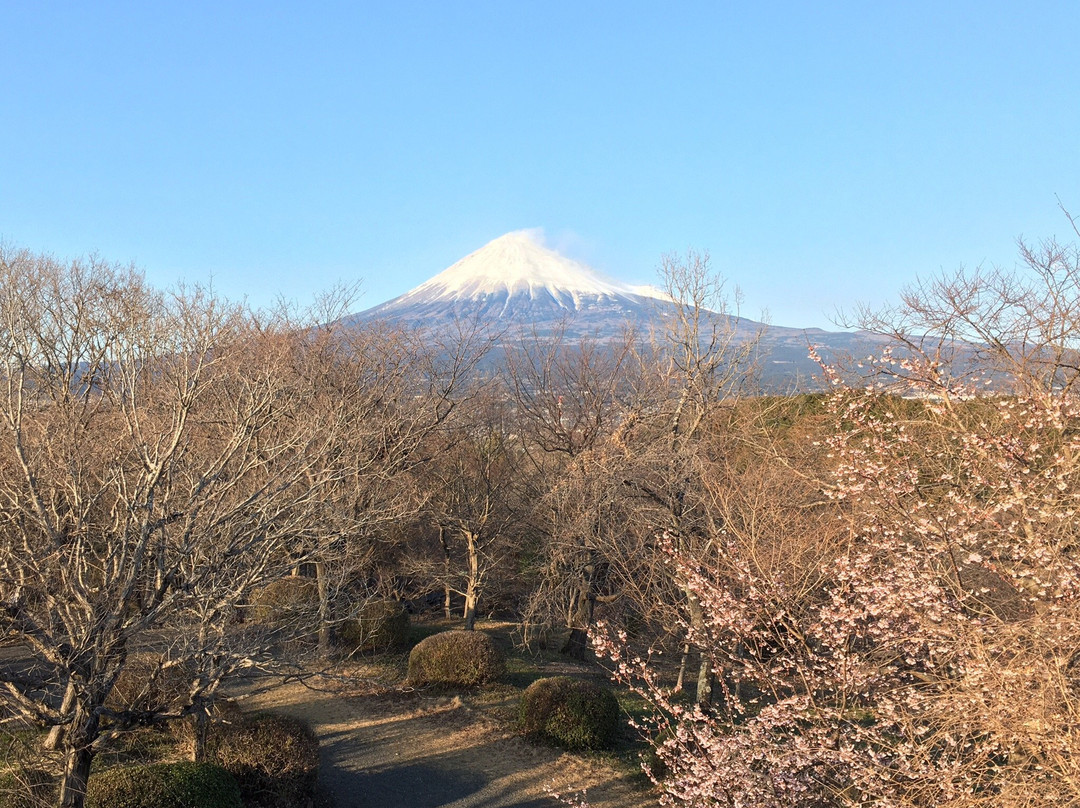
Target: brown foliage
462, 658
274, 759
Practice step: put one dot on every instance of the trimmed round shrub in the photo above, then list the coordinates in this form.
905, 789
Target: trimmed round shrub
164, 785
652, 759
147, 682
285, 599
27, 788
571, 713
224, 711
275, 759
380, 625
463, 658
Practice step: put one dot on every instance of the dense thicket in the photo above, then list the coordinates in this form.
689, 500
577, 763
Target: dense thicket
163, 457
919, 646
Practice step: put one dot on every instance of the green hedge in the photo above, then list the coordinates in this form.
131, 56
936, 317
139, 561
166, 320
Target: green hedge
164, 785
571, 713
463, 658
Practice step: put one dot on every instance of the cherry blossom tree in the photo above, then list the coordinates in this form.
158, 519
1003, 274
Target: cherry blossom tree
934, 659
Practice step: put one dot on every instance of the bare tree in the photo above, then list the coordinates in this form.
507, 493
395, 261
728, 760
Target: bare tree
570, 398
632, 456
1003, 329
569, 395
390, 392
705, 354
158, 461
475, 484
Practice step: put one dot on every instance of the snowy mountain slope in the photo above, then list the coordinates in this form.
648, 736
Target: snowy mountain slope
516, 284
518, 263
515, 275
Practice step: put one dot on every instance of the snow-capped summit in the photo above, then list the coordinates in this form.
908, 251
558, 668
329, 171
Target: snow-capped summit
516, 279
517, 264
518, 287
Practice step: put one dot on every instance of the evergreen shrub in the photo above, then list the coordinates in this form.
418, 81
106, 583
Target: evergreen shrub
571, 713
462, 658
164, 785
275, 759
380, 625
146, 682
285, 599
27, 788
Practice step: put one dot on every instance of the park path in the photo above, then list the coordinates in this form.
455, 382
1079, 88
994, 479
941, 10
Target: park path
422, 752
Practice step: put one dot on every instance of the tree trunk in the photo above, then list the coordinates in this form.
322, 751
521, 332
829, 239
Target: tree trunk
472, 586
577, 644
200, 724
704, 683
76, 776
704, 678
56, 734
323, 586
682, 668
446, 571
80, 754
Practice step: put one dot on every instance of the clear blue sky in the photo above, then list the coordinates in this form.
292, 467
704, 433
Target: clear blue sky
824, 153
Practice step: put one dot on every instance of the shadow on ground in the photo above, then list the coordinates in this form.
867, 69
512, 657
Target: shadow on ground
435, 753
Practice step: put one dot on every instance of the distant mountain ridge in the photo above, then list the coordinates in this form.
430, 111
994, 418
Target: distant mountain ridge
515, 282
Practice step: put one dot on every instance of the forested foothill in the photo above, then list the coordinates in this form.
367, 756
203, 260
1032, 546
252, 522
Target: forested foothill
864, 596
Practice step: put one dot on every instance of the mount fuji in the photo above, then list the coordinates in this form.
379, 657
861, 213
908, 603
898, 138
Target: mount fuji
515, 280
515, 283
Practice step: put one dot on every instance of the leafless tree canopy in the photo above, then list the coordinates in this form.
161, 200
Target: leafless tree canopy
858, 597
162, 456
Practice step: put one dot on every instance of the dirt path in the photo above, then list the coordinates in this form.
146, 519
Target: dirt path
436, 753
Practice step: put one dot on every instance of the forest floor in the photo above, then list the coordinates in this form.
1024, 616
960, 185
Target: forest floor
386, 746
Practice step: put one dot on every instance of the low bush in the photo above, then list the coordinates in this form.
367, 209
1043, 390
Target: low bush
150, 682
27, 788
274, 759
284, 600
20, 743
24, 782
652, 760
223, 711
380, 625
572, 713
463, 658
164, 785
